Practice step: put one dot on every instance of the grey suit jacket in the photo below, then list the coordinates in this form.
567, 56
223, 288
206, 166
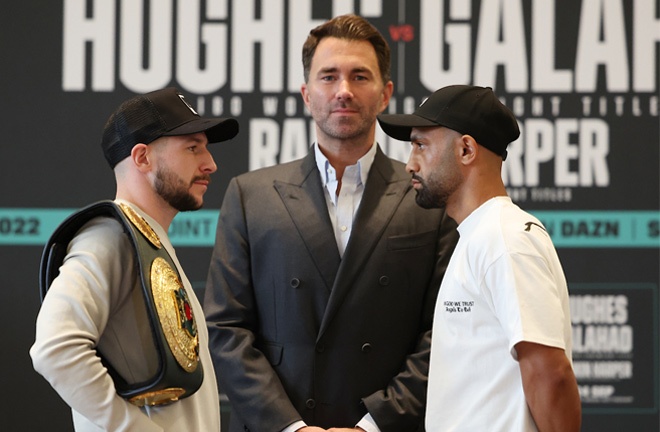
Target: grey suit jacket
298, 333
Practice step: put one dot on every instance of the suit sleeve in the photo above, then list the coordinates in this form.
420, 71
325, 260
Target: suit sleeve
243, 372
401, 405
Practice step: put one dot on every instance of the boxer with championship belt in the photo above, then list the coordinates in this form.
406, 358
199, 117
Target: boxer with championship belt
119, 335
166, 306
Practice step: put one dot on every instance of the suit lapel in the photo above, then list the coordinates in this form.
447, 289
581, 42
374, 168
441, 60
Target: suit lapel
304, 199
382, 195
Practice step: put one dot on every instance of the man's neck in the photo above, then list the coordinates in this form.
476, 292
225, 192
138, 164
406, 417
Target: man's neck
154, 206
346, 153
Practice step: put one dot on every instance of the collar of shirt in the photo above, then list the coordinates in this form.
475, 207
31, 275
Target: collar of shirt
342, 208
328, 173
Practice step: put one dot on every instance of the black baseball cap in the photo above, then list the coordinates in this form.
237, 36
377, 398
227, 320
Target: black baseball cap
470, 110
144, 118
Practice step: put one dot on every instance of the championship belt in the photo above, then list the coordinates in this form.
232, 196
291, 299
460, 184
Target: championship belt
174, 330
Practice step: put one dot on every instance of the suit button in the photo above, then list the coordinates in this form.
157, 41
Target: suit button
320, 348
384, 280
366, 347
295, 282
311, 403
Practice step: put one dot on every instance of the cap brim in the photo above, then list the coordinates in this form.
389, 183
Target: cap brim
216, 129
399, 126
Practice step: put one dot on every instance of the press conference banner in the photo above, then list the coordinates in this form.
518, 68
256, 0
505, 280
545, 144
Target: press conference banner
581, 76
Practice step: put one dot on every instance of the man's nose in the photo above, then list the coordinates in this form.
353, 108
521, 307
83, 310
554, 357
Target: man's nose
208, 165
344, 90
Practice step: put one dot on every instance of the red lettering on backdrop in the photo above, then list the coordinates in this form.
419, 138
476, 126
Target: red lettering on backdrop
404, 32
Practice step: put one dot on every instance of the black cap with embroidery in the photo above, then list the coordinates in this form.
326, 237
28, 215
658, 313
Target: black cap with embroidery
144, 118
470, 110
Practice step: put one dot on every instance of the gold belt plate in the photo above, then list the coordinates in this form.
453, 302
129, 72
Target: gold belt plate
175, 314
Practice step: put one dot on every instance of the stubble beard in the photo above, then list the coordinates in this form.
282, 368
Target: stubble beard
342, 128
435, 192
175, 192
442, 182
426, 198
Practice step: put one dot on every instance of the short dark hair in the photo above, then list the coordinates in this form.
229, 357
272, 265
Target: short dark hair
351, 27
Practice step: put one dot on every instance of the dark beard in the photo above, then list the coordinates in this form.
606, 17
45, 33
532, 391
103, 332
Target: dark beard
174, 191
427, 199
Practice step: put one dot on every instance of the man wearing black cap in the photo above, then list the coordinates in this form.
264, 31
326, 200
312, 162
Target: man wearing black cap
120, 334
501, 350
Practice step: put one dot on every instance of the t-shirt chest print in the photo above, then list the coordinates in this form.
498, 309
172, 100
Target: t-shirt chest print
458, 306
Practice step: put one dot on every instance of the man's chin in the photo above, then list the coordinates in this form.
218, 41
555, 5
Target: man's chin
189, 204
192, 207
424, 201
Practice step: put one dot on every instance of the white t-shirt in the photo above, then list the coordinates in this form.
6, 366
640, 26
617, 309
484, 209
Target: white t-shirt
89, 306
504, 284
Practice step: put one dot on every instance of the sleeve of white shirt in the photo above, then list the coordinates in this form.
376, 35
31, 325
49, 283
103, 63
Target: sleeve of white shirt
367, 423
537, 315
293, 427
71, 320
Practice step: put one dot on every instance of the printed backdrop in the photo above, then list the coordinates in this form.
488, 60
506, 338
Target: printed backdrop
580, 75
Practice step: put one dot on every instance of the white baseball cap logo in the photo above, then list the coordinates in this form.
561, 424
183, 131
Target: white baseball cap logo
188, 105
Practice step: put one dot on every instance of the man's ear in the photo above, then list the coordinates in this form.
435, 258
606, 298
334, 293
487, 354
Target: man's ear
304, 92
388, 89
141, 157
469, 149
